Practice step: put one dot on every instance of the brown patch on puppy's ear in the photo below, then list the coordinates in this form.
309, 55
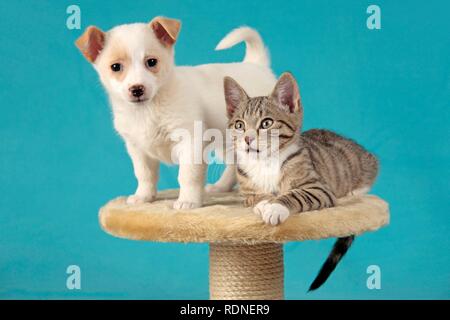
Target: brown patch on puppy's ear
166, 29
91, 43
286, 92
234, 95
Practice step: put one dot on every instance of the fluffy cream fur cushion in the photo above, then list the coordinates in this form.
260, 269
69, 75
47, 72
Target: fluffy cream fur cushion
224, 219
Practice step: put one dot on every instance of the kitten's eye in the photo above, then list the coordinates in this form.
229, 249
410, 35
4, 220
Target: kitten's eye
116, 67
239, 125
152, 62
266, 123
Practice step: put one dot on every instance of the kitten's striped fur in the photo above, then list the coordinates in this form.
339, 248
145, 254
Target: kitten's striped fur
306, 171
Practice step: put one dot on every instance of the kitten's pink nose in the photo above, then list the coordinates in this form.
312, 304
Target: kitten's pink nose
248, 139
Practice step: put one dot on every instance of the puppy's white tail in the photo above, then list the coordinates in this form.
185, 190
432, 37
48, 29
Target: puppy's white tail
255, 51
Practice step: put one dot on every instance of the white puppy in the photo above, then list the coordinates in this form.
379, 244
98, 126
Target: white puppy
151, 98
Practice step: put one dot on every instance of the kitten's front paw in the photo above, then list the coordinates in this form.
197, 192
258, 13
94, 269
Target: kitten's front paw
259, 208
271, 213
138, 199
185, 205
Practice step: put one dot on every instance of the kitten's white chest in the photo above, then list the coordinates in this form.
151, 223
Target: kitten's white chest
264, 174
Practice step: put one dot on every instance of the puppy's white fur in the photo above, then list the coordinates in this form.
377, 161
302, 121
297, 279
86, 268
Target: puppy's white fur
175, 97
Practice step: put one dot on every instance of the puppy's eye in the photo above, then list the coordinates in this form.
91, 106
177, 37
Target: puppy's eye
239, 125
266, 123
152, 62
116, 67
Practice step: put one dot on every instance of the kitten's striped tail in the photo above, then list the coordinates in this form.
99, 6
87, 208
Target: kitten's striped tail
255, 51
339, 249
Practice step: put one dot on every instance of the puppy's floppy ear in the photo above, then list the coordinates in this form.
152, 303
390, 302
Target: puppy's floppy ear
286, 92
234, 95
91, 43
166, 29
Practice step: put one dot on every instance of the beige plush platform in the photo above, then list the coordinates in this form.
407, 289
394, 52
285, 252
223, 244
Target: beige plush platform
223, 219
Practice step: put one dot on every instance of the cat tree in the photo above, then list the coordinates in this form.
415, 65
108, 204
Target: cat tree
245, 255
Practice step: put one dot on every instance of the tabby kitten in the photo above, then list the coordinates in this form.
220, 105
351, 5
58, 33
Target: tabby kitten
281, 171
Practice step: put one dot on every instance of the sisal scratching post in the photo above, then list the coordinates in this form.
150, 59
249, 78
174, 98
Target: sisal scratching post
246, 272
245, 255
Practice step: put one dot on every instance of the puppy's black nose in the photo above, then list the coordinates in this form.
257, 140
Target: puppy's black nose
137, 90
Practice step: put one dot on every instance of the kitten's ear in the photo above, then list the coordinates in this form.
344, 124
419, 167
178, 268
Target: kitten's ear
166, 30
91, 43
286, 92
234, 95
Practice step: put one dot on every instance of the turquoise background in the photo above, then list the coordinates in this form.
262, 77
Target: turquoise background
60, 159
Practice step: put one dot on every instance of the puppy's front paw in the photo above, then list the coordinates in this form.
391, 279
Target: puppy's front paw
271, 213
185, 205
138, 199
